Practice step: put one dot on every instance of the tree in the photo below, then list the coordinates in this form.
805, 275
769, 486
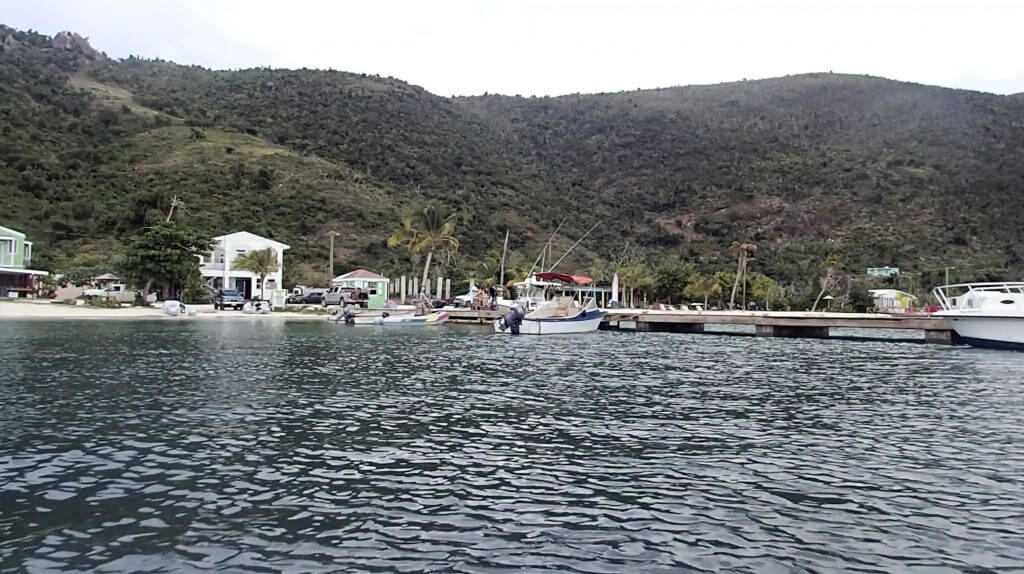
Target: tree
742, 251
485, 272
163, 255
670, 278
262, 262
832, 265
764, 288
635, 276
703, 287
429, 230
725, 280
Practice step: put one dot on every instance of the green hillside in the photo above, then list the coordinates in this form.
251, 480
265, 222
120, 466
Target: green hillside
875, 171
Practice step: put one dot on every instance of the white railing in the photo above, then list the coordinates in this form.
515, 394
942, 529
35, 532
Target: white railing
948, 295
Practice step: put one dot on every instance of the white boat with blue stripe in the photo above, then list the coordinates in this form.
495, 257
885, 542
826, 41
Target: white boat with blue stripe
559, 316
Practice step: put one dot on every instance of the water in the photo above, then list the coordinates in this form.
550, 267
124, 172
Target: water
270, 446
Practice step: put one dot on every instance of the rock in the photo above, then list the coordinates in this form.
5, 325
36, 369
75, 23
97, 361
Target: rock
9, 43
73, 41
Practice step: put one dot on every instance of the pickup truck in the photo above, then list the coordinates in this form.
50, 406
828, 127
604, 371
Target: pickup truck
345, 296
225, 298
117, 292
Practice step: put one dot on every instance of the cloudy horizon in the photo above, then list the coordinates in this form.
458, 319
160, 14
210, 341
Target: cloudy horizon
550, 48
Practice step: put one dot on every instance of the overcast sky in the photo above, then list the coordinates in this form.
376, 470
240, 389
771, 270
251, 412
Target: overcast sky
556, 47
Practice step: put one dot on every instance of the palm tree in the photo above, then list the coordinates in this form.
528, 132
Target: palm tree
485, 272
703, 286
262, 262
635, 276
426, 230
765, 288
742, 251
725, 280
832, 265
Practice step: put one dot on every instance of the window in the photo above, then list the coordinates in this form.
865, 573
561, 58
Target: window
28, 252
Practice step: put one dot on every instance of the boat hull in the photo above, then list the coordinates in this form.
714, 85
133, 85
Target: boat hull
988, 331
580, 324
432, 320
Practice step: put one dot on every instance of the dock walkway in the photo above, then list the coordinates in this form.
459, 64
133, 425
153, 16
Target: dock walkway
765, 323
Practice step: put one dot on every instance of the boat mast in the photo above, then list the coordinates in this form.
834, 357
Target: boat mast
504, 250
543, 249
574, 245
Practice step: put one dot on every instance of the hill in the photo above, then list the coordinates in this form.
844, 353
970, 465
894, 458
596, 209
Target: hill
876, 171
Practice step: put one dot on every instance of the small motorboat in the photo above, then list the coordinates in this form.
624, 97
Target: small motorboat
388, 319
558, 316
256, 308
985, 314
177, 309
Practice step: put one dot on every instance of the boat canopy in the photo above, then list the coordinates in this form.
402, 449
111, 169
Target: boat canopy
564, 278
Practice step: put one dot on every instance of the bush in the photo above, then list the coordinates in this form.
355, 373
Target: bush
68, 302
104, 303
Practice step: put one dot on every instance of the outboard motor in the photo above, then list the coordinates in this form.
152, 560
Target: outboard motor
347, 316
512, 320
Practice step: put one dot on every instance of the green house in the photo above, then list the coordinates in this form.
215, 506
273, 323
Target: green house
375, 286
16, 279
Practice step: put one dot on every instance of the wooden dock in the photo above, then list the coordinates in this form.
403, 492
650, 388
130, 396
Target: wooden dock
765, 323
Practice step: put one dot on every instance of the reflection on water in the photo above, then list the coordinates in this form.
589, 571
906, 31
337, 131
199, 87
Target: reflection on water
267, 446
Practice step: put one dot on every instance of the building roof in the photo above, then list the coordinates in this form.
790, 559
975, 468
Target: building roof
107, 277
892, 293
245, 235
7, 231
359, 274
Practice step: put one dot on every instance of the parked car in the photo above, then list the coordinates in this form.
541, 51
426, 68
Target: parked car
310, 297
345, 296
228, 298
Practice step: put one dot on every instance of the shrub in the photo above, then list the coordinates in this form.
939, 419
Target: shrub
104, 303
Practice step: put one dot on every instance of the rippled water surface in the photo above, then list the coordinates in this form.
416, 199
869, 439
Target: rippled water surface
283, 446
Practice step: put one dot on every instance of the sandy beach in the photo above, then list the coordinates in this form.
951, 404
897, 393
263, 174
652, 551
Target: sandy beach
46, 310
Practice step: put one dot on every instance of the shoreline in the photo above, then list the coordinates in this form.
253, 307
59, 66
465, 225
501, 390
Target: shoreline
45, 310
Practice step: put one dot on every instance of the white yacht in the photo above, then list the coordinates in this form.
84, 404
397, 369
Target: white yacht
985, 314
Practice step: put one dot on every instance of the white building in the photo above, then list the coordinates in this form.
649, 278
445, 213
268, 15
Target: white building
217, 267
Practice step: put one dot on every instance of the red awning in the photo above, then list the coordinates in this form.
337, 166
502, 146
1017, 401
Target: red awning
565, 278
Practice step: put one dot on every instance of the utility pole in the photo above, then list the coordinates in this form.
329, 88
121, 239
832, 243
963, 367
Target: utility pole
330, 265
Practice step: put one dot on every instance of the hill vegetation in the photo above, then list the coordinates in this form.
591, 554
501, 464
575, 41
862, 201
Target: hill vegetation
870, 171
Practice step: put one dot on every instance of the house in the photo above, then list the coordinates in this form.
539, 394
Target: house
217, 266
375, 285
883, 271
891, 300
16, 279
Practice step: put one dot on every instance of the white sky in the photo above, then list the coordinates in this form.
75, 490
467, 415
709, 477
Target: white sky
555, 47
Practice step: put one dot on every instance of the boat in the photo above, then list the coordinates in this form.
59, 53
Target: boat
985, 314
559, 316
178, 309
387, 319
